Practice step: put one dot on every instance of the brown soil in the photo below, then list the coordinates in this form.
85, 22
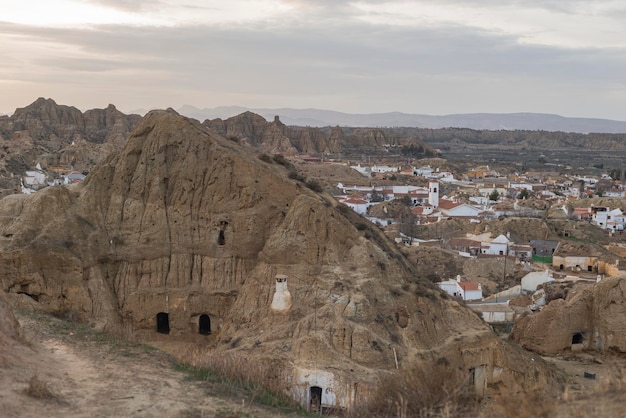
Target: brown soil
67, 370
601, 396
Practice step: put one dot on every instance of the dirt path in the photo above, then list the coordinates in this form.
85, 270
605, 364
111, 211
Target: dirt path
83, 374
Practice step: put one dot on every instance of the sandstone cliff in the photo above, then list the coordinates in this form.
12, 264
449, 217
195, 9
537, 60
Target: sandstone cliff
590, 316
182, 233
58, 137
274, 137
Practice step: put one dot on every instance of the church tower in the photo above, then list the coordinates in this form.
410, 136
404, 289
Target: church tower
433, 193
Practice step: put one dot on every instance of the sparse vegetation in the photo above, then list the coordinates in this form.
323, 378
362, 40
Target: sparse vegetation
265, 158
280, 159
40, 389
294, 175
445, 393
314, 185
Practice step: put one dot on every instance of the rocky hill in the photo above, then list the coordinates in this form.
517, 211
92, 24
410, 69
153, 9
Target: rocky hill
185, 237
59, 138
275, 137
580, 316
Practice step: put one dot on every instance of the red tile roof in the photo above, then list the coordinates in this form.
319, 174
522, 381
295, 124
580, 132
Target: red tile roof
468, 285
448, 204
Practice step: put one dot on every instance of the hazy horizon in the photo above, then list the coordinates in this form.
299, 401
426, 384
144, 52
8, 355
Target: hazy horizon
356, 57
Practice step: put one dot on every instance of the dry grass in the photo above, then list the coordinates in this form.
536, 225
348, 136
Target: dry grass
606, 399
40, 389
438, 390
260, 381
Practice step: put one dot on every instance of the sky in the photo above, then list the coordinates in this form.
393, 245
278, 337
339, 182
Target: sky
437, 57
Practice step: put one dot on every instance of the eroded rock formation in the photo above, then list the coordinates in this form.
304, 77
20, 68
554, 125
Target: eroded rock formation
590, 316
59, 138
183, 232
274, 137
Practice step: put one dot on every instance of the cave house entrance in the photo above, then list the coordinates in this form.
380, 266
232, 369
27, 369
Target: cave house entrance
204, 324
577, 338
316, 399
163, 323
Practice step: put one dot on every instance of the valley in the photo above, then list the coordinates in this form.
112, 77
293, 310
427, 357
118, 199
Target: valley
309, 261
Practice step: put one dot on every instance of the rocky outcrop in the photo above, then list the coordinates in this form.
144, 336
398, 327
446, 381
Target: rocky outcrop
590, 317
183, 232
44, 120
274, 137
59, 138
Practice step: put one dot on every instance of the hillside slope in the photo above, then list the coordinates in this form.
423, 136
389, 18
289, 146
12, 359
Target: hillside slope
186, 233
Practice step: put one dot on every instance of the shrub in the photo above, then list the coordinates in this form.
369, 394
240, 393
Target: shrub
293, 174
39, 389
428, 390
265, 158
280, 159
314, 185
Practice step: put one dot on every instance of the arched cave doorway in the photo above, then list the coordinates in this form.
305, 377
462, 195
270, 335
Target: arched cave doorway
204, 324
163, 323
316, 399
577, 338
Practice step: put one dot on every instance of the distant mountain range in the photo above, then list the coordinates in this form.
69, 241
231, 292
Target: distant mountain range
484, 121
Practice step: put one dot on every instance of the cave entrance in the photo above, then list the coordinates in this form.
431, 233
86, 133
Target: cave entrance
163, 323
204, 324
316, 399
577, 338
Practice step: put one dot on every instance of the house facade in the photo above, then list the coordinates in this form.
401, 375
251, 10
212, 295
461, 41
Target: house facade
498, 246
462, 290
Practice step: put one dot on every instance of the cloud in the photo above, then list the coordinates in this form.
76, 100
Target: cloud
316, 54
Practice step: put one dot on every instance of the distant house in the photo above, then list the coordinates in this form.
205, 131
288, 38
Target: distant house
356, 204
363, 170
462, 290
523, 252
532, 280
605, 218
543, 248
74, 177
581, 214
34, 179
465, 245
497, 246
613, 193
425, 171
384, 169
494, 313
453, 209
575, 263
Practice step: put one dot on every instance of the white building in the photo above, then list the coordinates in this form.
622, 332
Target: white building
433, 193
363, 170
497, 246
445, 176
463, 290
494, 313
531, 281
34, 179
425, 171
358, 205
384, 169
